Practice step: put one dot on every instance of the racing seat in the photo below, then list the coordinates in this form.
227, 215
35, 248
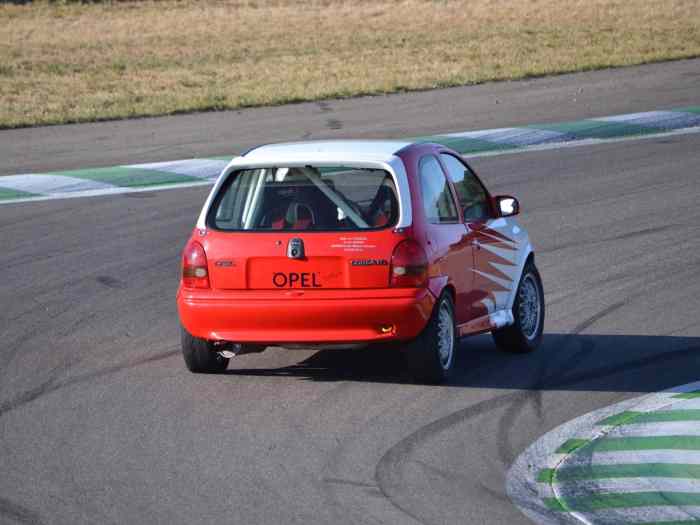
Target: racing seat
275, 219
297, 206
299, 216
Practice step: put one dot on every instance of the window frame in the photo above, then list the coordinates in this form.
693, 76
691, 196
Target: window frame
489, 199
231, 177
455, 201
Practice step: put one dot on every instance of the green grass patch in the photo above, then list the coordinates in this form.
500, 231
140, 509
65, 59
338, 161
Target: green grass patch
64, 62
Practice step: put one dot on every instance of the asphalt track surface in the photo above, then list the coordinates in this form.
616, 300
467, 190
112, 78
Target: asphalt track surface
101, 423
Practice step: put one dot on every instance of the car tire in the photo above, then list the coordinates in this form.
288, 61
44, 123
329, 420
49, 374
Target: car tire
431, 355
525, 334
200, 356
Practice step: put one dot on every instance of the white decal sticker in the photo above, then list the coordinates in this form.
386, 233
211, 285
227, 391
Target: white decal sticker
353, 244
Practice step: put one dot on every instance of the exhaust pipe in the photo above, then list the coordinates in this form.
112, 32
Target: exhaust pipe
231, 350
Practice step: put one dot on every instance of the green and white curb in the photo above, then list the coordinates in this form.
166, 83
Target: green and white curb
637, 461
112, 180
194, 172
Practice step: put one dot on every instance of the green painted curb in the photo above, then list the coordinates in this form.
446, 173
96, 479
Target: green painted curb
597, 129
9, 194
644, 443
688, 395
625, 500
494, 141
464, 145
622, 470
572, 444
660, 416
126, 177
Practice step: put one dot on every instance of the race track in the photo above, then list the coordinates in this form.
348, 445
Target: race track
101, 423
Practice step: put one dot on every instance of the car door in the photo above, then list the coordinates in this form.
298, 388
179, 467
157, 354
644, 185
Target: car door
493, 251
446, 233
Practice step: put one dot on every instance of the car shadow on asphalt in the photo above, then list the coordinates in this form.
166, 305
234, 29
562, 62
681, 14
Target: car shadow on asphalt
625, 363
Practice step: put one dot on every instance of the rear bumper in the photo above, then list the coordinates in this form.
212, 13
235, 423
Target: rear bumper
315, 316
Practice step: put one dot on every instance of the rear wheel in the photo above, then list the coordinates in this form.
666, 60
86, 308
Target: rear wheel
431, 355
200, 356
528, 311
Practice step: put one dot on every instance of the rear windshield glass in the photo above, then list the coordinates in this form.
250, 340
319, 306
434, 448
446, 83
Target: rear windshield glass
307, 198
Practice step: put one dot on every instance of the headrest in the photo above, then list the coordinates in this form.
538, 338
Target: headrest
299, 214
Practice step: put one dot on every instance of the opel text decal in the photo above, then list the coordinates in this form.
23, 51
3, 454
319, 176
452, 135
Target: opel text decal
295, 280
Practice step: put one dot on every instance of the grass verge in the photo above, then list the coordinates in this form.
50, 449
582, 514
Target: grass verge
74, 62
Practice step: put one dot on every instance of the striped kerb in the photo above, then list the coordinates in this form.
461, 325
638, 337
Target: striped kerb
199, 171
7, 194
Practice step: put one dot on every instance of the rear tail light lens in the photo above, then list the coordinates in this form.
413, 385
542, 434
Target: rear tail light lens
194, 266
409, 265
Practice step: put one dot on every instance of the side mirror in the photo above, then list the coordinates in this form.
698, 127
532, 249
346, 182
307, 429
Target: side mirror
506, 205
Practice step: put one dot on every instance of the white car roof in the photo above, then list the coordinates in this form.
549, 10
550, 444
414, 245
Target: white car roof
325, 150
359, 153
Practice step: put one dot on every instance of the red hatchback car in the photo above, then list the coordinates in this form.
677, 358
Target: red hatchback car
346, 243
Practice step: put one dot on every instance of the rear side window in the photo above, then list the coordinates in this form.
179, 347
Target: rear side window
438, 204
305, 198
471, 194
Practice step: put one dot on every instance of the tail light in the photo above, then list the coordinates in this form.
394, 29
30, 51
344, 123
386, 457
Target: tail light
194, 266
409, 265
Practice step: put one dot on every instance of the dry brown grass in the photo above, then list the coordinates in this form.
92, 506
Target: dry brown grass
77, 62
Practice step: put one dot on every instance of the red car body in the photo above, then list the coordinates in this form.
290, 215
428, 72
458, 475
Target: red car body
359, 286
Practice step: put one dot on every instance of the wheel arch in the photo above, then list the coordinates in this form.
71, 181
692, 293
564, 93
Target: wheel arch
529, 259
441, 284
450, 289
528, 255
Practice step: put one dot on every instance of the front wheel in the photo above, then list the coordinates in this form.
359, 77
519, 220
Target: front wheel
525, 334
431, 355
200, 355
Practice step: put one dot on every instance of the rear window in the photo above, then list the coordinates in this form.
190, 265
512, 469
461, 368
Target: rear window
305, 198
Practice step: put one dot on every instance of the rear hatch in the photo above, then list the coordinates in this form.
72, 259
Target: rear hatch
302, 228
